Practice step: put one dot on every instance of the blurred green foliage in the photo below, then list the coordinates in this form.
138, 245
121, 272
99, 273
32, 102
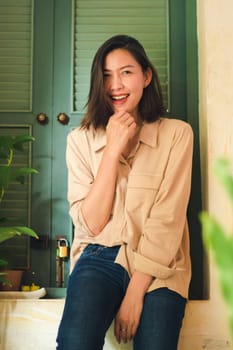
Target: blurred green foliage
8, 174
219, 242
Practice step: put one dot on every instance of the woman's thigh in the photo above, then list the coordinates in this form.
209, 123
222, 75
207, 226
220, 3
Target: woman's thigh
95, 291
161, 321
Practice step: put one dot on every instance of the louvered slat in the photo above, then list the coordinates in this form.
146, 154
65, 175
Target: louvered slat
95, 21
16, 54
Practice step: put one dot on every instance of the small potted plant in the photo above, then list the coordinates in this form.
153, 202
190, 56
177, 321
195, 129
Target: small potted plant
8, 174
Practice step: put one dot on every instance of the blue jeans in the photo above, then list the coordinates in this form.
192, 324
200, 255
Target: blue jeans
95, 291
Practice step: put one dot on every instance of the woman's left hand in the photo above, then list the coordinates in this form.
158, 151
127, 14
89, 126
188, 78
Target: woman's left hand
128, 317
129, 314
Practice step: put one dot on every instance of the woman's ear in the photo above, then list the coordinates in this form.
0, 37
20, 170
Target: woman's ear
148, 77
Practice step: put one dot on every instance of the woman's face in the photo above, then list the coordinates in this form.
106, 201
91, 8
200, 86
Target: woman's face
124, 81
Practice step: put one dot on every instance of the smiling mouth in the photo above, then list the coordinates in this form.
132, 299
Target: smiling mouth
119, 97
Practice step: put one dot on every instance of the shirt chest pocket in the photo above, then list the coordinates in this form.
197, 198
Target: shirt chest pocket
141, 190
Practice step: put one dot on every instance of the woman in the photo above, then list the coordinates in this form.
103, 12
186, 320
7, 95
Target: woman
129, 184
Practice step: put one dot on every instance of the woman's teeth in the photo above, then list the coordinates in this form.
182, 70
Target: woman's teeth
119, 97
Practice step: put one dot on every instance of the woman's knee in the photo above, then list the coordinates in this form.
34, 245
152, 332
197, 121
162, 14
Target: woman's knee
161, 321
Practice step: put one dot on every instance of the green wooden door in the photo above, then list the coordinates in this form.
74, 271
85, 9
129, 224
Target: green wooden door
26, 51
26, 66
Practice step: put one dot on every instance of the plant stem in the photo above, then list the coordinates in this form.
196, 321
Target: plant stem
10, 157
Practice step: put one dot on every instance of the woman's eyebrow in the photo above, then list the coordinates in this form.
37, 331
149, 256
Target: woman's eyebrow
128, 66
123, 67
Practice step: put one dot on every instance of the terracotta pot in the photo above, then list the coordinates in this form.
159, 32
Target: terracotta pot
15, 277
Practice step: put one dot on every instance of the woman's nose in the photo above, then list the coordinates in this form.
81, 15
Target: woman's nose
116, 82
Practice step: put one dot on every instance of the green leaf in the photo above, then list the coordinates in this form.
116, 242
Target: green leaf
220, 244
218, 240
18, 141
10, 232
9, 142
9, 174
3, 262
19, 174
6, 143
4, 280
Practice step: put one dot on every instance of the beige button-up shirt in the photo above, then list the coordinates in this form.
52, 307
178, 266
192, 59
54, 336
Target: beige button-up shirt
152, 192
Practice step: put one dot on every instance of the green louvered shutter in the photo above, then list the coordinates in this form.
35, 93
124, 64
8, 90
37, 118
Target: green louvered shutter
96, 21
16, 55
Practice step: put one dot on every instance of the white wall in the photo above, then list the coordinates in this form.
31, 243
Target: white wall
206, 325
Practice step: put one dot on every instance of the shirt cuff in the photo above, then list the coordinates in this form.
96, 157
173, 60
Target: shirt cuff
145, 265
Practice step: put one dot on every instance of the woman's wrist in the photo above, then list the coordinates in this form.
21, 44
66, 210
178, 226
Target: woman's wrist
111, 154
140, 283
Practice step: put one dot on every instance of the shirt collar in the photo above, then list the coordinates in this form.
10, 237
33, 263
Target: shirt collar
148, 135
100, 140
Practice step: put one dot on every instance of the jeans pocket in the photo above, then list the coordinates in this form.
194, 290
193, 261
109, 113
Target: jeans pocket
101, 252
92, 250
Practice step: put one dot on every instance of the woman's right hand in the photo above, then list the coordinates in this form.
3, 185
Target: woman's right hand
120, 129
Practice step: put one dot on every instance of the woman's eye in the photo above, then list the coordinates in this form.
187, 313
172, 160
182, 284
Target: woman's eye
106, 75
126, 72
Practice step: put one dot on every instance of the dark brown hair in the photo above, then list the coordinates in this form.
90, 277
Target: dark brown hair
99, 109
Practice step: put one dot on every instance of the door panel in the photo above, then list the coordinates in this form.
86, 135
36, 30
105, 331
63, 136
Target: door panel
42, 148
26, 68
61, 223
26, 79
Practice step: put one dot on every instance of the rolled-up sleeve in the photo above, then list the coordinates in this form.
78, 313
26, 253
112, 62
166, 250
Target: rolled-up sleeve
163, 230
